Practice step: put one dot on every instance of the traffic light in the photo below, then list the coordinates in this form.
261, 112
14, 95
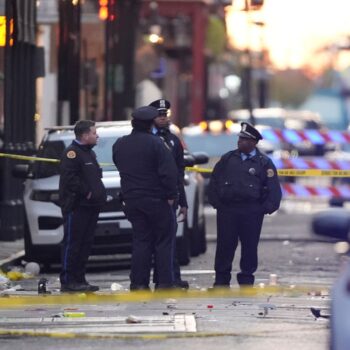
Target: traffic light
103, 11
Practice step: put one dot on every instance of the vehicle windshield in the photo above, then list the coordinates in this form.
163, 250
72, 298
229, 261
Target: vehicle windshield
212, 144
54, 148
272, 122
276, 123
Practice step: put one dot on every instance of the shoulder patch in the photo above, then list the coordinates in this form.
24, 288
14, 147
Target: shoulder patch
71, 154
270, 173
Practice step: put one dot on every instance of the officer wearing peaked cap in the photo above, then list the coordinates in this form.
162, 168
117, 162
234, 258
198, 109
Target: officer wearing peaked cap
148, 190
243, 187
161, 129
161, 105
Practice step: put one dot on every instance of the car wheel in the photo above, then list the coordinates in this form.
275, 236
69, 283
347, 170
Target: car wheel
41, 255
183, 247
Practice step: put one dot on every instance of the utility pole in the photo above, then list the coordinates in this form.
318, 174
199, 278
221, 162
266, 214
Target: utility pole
69, 62
19, 110
247, 61
121, 28
247, 71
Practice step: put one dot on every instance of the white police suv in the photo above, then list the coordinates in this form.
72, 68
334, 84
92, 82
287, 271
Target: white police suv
44, 226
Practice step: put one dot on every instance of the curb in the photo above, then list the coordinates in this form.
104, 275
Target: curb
12, 259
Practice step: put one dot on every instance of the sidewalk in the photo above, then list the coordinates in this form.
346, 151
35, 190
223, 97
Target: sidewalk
11, 250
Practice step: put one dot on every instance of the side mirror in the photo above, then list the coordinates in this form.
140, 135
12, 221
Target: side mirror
333, 223
21, 171
200, 157
189, 160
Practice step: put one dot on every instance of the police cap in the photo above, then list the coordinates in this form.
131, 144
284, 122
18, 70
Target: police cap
249, 132
161, 105
145, 113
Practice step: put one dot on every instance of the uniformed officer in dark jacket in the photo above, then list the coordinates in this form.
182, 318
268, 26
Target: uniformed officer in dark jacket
82, 194
243, 187
161, 129
148, 188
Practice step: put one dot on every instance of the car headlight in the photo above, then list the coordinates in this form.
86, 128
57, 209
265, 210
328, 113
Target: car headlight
45, 196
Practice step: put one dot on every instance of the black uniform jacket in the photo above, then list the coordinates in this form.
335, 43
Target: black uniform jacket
80, 174
251, 184
146, 166
177, 151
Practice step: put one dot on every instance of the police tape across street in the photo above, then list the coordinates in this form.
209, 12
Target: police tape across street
281, 172
260, 290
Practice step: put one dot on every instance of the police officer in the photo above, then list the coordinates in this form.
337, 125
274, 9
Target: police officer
81, 194
243, 187
161, 129
148, 190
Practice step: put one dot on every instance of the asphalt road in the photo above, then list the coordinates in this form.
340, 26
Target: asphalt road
305, 266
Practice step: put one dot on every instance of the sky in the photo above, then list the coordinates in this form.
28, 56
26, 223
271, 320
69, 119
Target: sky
294, 30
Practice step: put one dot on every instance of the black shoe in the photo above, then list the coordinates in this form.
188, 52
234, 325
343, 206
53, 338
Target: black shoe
165, 286
74, 288
91, 287
181, 284
219, 287
139, 287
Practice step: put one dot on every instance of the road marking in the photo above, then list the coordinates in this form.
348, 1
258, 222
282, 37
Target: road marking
143, 324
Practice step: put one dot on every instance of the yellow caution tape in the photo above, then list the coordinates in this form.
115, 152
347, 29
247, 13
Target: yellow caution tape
313, 172
38, 159
199, 170
15, 301
154, 336
29, 158
281, 172
292, 172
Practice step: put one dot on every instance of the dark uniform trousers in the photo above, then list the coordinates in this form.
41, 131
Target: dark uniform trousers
235, 225
175, 264
152, 220
79, 228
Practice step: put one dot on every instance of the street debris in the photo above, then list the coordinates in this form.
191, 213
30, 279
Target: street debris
11, 289
132, 319
32, 268
116, 287
170, 301
171, 306
273, 279
317, 313
42, 286
266, 308
73, 314
4, 282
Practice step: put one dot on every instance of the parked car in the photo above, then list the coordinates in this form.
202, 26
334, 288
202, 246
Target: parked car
335, 223
44, 227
